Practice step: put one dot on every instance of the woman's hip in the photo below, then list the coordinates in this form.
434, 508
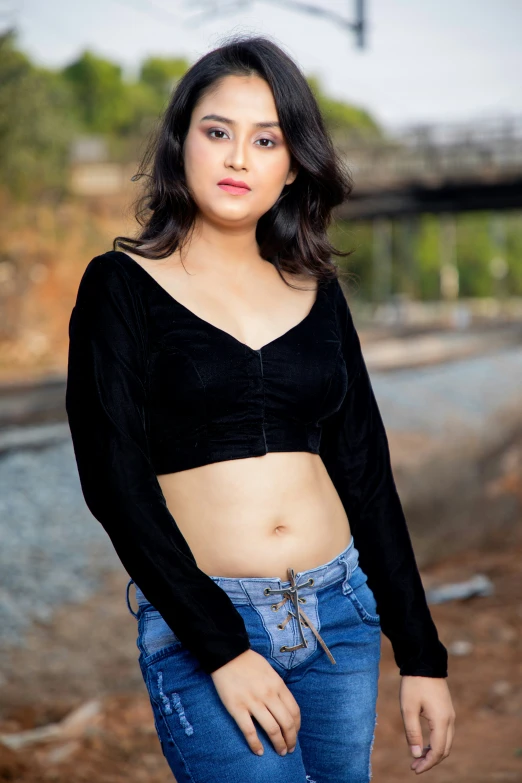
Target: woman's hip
319, 623
318, 613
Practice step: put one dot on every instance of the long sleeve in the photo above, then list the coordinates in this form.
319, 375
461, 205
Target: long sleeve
354, 448
106, 398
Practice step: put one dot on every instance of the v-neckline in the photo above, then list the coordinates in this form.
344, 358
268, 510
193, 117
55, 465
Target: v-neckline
218, 328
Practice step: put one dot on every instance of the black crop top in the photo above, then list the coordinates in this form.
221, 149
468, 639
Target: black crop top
152, 388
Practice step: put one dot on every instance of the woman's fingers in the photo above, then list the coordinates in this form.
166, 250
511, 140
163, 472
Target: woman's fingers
249, 687
449, 740
436, 748
285, 719
246, 725
412, 729
288, 699
281, 730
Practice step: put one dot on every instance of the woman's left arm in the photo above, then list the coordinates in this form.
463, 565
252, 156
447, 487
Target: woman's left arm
354, 448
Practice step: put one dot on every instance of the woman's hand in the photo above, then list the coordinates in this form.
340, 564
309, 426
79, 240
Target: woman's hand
427, 697
249, 686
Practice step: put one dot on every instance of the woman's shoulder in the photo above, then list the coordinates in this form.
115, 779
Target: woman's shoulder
336, 293
106, 287
105, 274
107, 266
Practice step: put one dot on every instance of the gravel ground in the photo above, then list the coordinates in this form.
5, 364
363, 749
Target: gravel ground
53, 550
453, 399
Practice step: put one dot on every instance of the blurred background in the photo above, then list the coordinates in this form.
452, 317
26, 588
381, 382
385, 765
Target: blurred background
424, 100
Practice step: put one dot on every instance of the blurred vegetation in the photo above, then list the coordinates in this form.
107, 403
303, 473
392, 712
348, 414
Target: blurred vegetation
36, 125
419, 277
42, 111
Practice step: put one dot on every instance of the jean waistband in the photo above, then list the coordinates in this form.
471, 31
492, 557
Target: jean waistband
250, 589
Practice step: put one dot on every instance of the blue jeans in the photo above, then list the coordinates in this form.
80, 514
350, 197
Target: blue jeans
337, 699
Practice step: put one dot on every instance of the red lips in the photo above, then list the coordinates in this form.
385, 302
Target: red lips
234, 182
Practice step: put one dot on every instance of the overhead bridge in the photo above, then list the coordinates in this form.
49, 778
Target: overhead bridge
447, 168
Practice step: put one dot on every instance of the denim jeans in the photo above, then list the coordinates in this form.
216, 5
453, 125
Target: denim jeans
201, 740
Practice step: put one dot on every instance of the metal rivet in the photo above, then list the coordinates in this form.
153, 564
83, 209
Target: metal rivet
312, 582
280, 626
266, 591
274, 607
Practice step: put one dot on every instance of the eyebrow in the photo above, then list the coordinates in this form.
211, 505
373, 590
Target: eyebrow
219, 118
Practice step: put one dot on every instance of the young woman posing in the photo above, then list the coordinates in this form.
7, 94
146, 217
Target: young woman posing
228, 439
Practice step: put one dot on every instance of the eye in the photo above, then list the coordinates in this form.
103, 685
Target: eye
215, 130
271, 142
218, 130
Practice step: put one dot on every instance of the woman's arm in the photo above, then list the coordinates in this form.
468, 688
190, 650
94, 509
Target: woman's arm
106, 406
354, 449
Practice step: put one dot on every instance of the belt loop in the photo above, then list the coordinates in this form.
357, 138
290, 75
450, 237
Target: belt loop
129, 583
346, 586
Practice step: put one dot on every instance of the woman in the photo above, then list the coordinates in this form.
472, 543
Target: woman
228, 439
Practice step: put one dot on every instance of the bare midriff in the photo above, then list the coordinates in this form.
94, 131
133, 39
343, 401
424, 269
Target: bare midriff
258, 516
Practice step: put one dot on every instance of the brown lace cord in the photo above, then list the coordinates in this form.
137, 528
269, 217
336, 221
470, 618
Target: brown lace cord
291, 593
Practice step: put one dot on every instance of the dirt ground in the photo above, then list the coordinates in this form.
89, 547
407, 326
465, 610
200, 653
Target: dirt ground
86, 656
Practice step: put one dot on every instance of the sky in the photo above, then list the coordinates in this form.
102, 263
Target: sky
425, 61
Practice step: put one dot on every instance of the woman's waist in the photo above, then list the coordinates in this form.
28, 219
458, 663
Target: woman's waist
344, 564
275, 483
303, 543
260, 519
261, 540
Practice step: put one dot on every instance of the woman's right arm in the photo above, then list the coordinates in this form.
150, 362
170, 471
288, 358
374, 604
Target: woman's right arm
106, 403
106, 407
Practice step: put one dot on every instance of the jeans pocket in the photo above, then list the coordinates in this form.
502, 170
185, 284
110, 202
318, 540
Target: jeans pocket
362, 597
154, 635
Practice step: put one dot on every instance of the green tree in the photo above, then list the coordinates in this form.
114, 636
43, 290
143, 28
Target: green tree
474, 253
100, 93
161, 74
36, 124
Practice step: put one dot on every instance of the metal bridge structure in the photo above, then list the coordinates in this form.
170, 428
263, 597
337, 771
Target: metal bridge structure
436, 168
445, 170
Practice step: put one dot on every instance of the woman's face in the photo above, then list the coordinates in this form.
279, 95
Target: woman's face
234, 134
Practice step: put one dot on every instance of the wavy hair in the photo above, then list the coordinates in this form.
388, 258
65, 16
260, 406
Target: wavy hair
292, 234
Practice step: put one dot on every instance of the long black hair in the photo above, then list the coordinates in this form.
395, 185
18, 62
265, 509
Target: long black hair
292, 235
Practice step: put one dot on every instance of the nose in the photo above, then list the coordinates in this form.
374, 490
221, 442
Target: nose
237, 155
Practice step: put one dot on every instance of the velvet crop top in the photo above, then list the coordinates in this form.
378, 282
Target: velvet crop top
152, 389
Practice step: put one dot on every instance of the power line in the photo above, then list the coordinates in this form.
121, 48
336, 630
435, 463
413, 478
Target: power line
213, 9
358, 27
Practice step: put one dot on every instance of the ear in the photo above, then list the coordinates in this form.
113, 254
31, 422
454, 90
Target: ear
292, 174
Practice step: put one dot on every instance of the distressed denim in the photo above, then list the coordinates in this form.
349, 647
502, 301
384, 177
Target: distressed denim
201, 740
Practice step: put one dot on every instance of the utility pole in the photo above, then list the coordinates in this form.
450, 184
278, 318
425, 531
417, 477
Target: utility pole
217, 8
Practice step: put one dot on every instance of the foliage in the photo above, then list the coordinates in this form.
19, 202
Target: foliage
418, 273
106, 103
162, 75
36, 125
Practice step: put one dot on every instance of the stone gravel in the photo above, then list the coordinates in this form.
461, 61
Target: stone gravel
52, 550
